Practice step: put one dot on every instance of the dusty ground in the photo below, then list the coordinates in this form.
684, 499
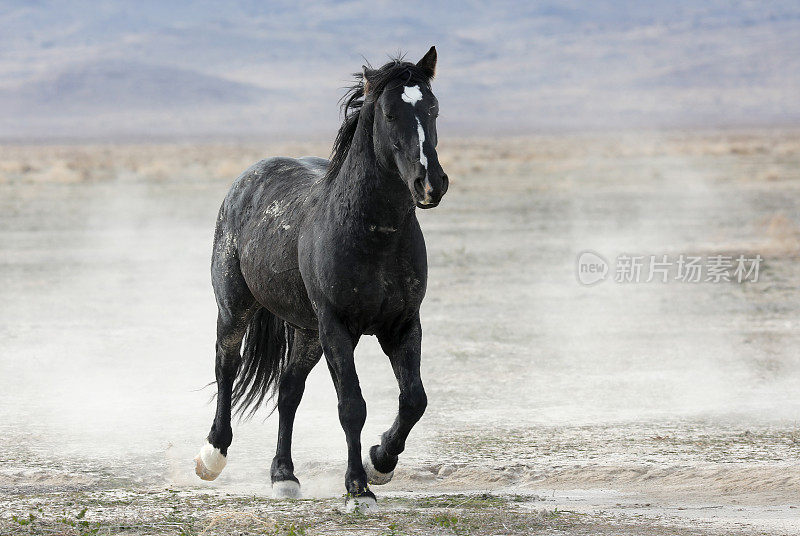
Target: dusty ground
169, 511
555, 408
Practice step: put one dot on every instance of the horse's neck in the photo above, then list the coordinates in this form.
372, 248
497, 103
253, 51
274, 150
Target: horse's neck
368, 197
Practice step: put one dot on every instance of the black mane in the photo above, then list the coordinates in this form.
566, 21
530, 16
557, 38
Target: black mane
353, 100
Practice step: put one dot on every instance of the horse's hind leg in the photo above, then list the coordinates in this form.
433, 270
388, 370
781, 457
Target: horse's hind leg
236, 307
403, 349
305, 354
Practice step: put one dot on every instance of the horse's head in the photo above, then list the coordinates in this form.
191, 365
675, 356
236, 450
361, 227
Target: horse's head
404, 126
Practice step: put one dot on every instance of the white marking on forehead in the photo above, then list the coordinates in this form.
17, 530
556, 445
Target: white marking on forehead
411, 95
421, 134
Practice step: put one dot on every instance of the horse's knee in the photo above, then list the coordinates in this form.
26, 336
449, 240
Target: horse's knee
352, 412
413, 401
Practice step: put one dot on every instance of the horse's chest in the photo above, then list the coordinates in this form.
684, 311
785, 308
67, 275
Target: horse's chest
397, 295
398, 288
377, 294
367, 281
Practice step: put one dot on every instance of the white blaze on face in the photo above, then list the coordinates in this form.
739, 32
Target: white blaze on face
412, 95
421, 133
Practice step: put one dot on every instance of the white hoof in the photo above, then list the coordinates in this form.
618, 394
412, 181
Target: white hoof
361, 505
210, 462
285, 489
373, 475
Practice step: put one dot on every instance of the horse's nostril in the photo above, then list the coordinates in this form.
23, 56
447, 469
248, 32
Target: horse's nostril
419, 186
445, 183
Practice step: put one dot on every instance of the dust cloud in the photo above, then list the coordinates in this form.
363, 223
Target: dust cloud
673, 391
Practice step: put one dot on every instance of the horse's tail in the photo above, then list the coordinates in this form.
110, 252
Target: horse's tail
265, 354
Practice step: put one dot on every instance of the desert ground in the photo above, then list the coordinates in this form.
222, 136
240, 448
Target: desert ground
554, 407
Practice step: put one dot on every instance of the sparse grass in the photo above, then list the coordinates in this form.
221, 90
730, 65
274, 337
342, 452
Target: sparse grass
23, 521
483, 500
192, 513
205, 514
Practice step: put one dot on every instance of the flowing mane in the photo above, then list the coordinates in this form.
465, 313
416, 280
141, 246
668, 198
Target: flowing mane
353, 100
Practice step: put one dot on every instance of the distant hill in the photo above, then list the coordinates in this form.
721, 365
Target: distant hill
115, 85
84, 70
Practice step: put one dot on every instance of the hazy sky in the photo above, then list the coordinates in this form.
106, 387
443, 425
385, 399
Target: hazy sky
97, 69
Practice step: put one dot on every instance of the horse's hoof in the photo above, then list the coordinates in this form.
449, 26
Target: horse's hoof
286, 489
361, 505
210, 462
373, 475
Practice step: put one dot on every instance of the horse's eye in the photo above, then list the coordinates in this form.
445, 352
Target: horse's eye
389, 117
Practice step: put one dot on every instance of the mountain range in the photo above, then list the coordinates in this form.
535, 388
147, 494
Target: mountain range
114, 70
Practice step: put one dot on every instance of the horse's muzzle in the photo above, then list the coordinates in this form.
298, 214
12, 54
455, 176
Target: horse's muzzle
429, 192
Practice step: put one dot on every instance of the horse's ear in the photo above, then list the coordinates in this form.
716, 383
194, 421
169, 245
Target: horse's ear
366, 74
428, 63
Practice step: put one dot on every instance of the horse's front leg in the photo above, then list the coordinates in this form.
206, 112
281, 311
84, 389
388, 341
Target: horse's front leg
403, 349
338, 344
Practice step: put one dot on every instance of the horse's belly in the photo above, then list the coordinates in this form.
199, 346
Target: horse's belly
285, 295
270, 269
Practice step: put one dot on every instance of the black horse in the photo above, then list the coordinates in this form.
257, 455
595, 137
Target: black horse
310, 254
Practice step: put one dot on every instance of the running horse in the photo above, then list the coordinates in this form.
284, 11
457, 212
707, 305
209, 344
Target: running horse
311, 254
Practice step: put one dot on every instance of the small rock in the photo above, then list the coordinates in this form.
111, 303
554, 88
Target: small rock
447, 470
